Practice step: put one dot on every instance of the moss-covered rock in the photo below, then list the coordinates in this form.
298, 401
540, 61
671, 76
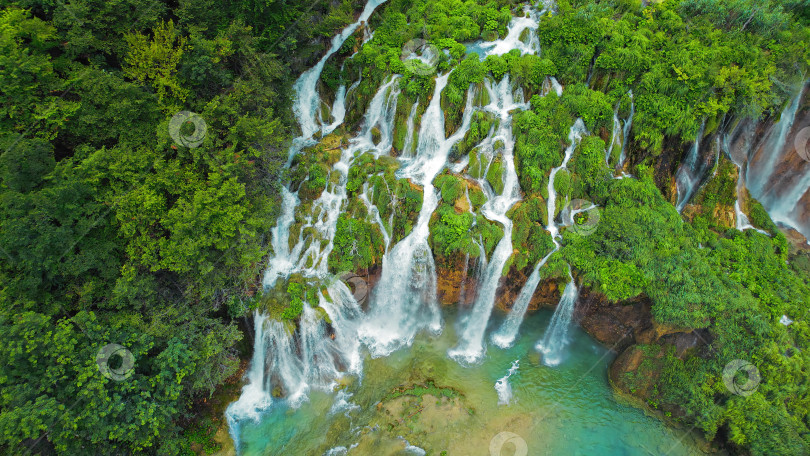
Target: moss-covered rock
480, 125
285, 301
530, 239
358, 243
714, 202
475, 168
495, 175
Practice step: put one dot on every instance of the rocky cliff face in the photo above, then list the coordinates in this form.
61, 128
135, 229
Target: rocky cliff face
777, 163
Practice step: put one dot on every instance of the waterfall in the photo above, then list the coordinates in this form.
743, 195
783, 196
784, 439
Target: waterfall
307, 99
326, 210
502, 386
778, 187
628, 124
785, 208
550, 84
407, 148
380, 114
404, 300
614, 135
691, 172
471, 344
282, 261
374, 214
294, 360
574, 137
556, 336
760, 169
297, 359
506, 335
255, 396
740, 219
512, 40
338, 111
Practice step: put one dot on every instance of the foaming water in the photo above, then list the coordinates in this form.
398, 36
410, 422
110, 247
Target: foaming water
502, 386
307, 98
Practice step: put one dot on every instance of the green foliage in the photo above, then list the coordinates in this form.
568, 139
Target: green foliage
357, 245
155, 61
109, 232
588, 168
529, 236
451, 187
450, 232
496, 65
495, 175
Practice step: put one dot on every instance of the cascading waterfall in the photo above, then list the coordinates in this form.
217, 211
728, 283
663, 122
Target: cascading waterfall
614, 135
255, 397
307, 99
742, 222
690, 173
515, 30
374, 214
338, 111
761, 166
327, 208
506, 335
550, 84
283, 258
784, 206
787, 210
471, 344
407, 148
404, 300
293, 361
628, 124
574, 137
556, 336
278, 359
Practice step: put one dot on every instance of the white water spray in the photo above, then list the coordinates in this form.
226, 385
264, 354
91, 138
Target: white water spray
502, 386
556, 337
506, 335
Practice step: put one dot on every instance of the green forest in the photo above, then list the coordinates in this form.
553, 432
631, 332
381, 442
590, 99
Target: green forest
112, 233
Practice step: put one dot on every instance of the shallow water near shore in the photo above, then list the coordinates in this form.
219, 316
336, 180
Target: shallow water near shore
568, 409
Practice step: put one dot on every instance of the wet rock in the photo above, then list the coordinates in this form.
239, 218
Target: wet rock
456, 280
614, 325
547, 294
